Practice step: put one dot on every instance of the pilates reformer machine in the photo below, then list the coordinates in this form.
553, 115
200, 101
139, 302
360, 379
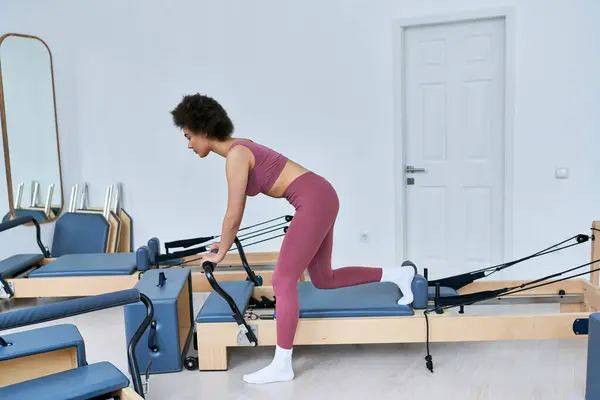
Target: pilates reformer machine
79, 268
50, 362
242, 313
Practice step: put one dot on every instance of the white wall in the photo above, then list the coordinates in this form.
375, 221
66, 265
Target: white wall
314, 80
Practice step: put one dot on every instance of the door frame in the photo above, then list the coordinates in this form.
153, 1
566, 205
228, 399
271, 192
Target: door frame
399, 77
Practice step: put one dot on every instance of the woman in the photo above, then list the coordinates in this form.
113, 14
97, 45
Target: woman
252, 168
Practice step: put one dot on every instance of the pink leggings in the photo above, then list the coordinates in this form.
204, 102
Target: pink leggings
308, 244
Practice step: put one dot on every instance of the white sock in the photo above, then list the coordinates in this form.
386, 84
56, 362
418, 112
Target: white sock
279, 370
403, 277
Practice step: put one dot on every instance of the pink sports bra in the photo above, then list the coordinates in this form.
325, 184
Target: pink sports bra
268, 165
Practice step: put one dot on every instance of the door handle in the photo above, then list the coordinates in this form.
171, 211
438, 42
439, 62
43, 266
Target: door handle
410, 169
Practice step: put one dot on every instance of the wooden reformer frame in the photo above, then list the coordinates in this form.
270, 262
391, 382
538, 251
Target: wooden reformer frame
577, 298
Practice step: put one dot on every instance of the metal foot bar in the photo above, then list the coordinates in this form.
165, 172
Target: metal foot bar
249, 270
131, 357
237, 315
4, 226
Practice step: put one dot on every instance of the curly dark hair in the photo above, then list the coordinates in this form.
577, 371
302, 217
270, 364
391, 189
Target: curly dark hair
202, 114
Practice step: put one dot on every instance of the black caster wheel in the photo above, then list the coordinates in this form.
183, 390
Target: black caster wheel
191, 363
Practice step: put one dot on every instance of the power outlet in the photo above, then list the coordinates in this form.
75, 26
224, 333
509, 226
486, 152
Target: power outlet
364, 237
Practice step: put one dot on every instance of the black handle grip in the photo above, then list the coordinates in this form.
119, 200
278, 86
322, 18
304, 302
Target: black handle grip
4, 226
152, 337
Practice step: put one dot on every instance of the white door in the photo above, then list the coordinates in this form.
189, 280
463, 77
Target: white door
454, 130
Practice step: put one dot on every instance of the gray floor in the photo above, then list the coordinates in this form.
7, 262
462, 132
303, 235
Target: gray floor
553, 369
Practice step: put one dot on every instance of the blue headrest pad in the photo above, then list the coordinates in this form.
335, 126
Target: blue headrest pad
366, 300
42, 340
420, 292
67, 308
216, 309
142, 257
18, 263
444, 292
76, 233
154, 248
176, 280
81, 383
95, 264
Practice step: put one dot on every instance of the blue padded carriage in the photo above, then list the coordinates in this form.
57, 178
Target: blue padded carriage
105, 264
377, 299
89, 265
366, 300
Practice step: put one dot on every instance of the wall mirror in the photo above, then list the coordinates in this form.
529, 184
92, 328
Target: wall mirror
33, 181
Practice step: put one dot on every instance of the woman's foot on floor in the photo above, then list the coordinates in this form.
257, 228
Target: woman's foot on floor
279, 370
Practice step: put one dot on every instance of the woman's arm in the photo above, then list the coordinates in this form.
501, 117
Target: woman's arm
237, 168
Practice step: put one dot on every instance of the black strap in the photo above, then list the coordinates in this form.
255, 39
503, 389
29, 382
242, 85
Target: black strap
180, 254
185, 243
459, 281
468, 299
172, 256
238, 242
524, 287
